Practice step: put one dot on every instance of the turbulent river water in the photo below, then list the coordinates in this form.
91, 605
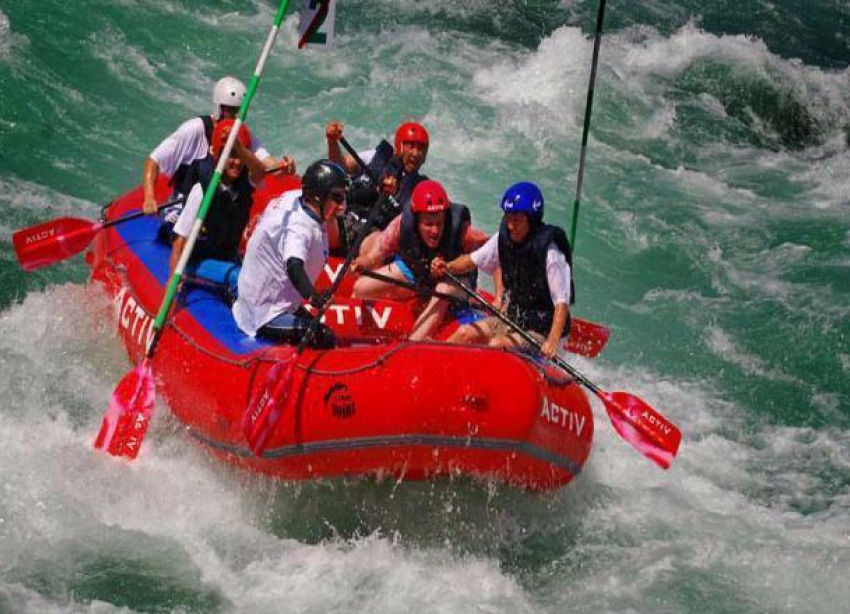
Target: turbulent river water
714, 240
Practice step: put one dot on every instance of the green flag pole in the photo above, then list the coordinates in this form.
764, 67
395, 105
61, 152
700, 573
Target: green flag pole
209, 193
587, 110
131, 406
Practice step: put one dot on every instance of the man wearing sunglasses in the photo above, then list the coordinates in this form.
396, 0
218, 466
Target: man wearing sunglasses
286, 254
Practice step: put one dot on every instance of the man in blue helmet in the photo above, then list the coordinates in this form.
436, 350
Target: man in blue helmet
535, 259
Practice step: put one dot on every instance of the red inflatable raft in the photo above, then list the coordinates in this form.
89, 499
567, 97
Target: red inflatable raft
375, 405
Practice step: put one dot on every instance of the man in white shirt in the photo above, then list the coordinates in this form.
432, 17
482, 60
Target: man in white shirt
184, 153
285, 256
535, 259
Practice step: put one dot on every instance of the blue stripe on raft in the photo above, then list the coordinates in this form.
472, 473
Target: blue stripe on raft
207, 308
391, 441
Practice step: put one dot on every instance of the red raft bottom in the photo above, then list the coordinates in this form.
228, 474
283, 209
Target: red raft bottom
386, 408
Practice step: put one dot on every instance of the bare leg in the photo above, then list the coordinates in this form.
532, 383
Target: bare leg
435, 311
476, 333
506, 341
374, 289
429, 320
512, 340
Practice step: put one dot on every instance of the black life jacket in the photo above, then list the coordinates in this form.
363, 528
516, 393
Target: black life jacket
364, 192
187, 175
524, 275
226, 219
417, 255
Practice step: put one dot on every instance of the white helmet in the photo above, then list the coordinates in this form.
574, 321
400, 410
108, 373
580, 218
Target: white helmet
229, 91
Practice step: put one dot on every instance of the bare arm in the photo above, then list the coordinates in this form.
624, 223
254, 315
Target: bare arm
283, 166
385, 244
149, 177
333, 133
559, 321
499, 286
176, 251
461, 265
256, 168
370, 260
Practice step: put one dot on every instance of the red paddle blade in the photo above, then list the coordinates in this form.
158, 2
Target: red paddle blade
266, 408
52, 241
648, 431
587, 338
127, 418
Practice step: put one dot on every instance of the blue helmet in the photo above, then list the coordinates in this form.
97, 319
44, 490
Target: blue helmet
523, 197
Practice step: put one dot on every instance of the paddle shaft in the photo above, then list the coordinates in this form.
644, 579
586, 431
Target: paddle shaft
352, 252
411, 286
138, 214
373, 177
357, 158
523, 333
588, 108
209, 193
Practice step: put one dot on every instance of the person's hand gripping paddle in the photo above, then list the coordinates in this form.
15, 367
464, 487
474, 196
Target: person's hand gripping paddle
635, 420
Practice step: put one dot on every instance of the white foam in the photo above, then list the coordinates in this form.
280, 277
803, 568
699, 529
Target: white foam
717, 507
59, 363
722, 344
9, 39
29, 196
373, 574
547, 83
828, 174
130, 65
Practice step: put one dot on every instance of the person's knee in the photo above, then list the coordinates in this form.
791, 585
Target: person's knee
370, 289
464, 334
445, 287
500, 341
436, 306
360, 287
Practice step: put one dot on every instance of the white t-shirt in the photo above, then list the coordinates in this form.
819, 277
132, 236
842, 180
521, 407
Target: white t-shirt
286, 230
558, 271
184, 224
189, 143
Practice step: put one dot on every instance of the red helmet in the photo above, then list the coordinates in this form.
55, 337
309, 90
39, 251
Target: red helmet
410, 132
429, 197
222, 131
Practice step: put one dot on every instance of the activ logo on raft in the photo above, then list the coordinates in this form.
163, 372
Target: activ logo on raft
39, 236
137, 323
562, 416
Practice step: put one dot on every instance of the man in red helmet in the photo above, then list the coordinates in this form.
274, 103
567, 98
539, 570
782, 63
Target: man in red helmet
228, 214
396, 167
429, 226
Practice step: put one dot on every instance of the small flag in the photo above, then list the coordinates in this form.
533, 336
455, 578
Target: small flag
317, 23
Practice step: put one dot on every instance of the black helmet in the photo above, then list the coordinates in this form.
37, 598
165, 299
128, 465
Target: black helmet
323, 176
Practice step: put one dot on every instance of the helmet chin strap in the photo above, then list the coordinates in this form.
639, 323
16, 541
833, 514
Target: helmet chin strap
319, 202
